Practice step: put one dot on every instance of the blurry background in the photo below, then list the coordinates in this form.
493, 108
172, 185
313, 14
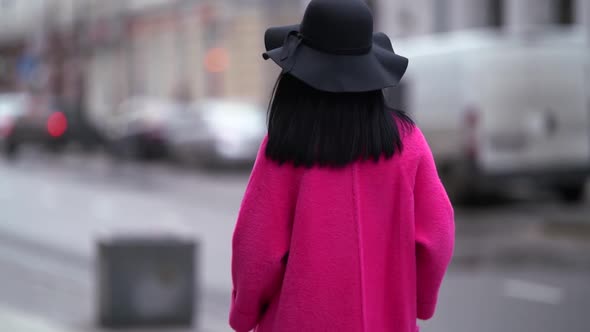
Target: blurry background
136, 121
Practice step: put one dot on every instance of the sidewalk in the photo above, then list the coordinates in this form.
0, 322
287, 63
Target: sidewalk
12, 320
55, 221
544, 241
49, 226
16, 321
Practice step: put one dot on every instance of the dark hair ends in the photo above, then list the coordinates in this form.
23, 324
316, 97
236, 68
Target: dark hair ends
308, 127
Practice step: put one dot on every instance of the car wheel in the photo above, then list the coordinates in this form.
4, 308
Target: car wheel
208, 163
459, 188
57, 147
458, 194
574, 193
10, 149
145, 152
129, 149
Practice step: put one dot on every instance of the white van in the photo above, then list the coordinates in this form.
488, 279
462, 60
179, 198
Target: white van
497, 109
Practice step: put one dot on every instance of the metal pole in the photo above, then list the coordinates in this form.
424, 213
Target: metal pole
183, 72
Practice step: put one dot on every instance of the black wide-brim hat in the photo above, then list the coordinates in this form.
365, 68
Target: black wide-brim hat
334, 49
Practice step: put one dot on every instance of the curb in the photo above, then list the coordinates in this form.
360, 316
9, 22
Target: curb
563, 245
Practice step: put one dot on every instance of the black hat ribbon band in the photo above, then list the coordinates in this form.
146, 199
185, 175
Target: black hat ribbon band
294, 39
292, 42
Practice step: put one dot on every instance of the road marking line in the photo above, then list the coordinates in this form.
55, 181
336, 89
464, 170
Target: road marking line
102, 208
16, 321
48, 197
534, 292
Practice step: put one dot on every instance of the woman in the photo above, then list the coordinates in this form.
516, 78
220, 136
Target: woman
345, 225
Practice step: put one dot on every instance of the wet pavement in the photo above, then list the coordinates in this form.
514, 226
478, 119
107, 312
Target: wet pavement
521, 265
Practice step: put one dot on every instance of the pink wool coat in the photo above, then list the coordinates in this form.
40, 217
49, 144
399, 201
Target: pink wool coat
357, 249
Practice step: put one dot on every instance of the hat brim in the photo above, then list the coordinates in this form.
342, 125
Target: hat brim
378, 69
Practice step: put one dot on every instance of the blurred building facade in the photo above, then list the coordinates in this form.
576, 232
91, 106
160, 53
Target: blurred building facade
166, 48
97, 53
16, 18
101, 52
407, 18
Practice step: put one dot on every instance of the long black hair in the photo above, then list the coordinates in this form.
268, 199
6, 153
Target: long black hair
308, 127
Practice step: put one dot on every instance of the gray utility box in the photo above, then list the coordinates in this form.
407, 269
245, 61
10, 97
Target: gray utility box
146, 281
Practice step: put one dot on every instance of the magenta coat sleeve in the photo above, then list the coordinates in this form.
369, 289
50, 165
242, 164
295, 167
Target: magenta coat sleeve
434, 226
261, 241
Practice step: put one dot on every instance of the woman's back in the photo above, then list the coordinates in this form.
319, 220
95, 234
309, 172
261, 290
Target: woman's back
366, 245
345, 225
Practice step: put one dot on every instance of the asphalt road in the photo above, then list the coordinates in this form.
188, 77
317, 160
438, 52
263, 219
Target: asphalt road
53, 210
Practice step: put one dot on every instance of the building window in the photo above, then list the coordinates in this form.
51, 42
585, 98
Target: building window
441, 15
496, 13
564, 11
6, 4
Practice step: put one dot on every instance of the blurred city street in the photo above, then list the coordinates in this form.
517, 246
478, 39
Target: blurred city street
47, 261
521, 264
140, 120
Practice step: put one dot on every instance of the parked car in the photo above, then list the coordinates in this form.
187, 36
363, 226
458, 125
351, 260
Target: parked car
218, 132
82, 131
498, 111
139, 130
40, 122
12, 106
